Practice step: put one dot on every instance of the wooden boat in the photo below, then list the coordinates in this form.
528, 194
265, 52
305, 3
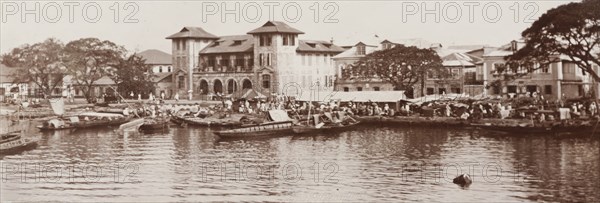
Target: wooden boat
154, 125
263, 129
304, 129
196, 121
84, 120
546, 128
11, 143
279, 124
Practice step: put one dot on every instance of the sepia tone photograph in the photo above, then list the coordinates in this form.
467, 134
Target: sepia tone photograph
300, 101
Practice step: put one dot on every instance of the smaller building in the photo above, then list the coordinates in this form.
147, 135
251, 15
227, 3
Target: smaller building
162, 68
11, 86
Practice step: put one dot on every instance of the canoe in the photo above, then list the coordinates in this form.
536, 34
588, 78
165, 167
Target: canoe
304, 129
69, 124
12, 143
196, 121
544, 129
153, 125
258, 130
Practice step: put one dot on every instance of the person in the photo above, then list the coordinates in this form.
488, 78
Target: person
131, 95
190, 94
177, 96
139, 96
162, 95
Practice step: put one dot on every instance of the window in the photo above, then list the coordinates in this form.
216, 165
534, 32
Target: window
183, 45
266, 81
260, 59
531, 88
511, 89
346, 89
361, 50
169, 69
269, 59
266, 40
224, 61
359, 89
237, 42
441, 90
181, 82
376, 88
250, 62
429, 91
545, 69
239, 61
177, 44
455, 90
211, 61
285, 40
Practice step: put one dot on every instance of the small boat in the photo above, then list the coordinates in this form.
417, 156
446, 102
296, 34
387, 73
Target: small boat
154, 125
207, 122
84, 120
322, 127
538, 128
263, 129
11, 143
279, 124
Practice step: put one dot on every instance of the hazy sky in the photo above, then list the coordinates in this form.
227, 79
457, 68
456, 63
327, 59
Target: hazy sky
141, 25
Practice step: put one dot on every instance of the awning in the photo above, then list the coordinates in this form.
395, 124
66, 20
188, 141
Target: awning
358, 96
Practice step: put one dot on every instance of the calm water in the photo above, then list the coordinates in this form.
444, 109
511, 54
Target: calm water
371, 163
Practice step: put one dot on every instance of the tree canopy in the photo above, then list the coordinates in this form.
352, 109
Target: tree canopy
89, 59
43, 62
571, 30
401, 66
133, 75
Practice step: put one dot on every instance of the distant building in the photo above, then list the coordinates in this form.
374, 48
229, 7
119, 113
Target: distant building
162, 68
11, 86
463, 78
269, 59
559, 80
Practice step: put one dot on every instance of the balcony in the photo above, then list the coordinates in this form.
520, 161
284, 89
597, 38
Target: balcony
224, 69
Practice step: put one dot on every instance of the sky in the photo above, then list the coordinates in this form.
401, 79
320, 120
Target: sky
142, 25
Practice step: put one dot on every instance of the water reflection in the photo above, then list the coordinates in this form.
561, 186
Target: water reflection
366, 164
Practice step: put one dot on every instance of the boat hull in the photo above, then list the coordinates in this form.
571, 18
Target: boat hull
311, 129
17, 146
261, 130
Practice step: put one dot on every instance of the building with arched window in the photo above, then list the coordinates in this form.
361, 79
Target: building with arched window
269, 59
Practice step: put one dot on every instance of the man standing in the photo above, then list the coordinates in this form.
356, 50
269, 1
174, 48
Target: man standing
190, 94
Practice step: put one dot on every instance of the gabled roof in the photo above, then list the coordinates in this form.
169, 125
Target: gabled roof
460, 59
194, 33
352, 52
160, 76
275, 27
153, 56
318, 46
230, 44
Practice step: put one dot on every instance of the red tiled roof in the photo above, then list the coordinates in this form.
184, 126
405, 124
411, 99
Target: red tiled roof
230, 44
193, 32
154, 56
275, 27
318, 46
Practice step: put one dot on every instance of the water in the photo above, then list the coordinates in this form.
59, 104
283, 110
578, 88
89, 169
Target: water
371, 163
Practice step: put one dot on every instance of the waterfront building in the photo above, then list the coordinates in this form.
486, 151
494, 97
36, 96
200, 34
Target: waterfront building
345, 60
270, 59
559, 80
161, 66
11, 86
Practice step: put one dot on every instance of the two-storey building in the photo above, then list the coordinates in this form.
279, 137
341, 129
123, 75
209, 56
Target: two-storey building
269, 59
161, 67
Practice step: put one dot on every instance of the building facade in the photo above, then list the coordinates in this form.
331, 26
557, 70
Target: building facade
270, 59
559, 80
161, 67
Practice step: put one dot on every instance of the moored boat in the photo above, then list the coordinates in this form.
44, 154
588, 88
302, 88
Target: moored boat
154, 125
538, 128
279, 124
11, 143
83, 120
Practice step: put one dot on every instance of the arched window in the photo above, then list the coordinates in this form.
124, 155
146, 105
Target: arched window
266, 81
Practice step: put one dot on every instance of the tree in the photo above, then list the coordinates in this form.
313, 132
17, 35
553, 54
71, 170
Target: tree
133, 75
89, 59
401, 66
571, 30
43, 62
